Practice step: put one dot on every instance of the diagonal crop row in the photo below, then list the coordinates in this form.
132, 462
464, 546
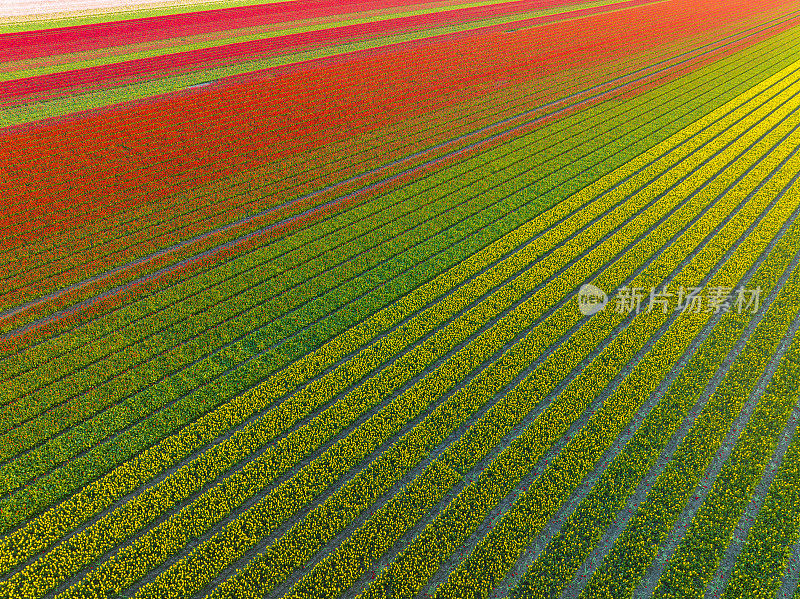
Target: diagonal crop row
32, 360
758, 568
672, 487
712, 527
580, 534
212, 548
364, 328
438, 342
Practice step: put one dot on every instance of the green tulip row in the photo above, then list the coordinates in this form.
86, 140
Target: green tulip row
305, 369
59, 449
256, 295
324, 389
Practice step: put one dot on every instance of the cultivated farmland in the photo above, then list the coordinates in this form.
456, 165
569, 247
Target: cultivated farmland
459, 299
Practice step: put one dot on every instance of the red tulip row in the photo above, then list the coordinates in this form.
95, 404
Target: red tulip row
449, 124
379, 65
44, 87
51, 42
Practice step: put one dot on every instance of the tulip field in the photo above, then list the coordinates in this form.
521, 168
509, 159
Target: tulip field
386, 299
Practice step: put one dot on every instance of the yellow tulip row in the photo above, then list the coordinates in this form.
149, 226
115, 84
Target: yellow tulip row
760, 565
413, 568
578, 536
623, 568
602, 366
271, 566
499, 550
313, 583
180, 483
706, 540
380, 531
636, 547
292, 550
91, 500
580, 533
99, 495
